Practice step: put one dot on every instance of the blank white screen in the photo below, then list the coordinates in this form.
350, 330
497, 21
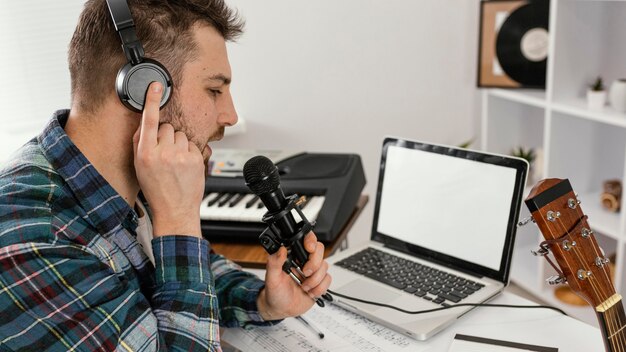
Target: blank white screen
447, 204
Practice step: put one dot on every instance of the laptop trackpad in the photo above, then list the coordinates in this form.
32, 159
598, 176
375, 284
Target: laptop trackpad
365, 290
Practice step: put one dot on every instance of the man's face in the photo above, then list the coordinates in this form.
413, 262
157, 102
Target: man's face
201, 106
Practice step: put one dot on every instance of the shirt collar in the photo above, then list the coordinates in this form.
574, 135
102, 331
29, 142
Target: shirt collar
104, 207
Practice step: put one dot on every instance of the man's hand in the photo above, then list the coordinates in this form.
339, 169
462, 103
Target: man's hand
282, 297
170, 171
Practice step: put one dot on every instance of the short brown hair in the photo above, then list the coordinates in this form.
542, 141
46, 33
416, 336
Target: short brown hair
163, 27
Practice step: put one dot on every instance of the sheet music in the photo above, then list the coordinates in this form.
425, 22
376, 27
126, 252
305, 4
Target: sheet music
344, 331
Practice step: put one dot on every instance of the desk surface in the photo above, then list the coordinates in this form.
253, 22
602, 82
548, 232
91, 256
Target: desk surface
530, 326
252, 255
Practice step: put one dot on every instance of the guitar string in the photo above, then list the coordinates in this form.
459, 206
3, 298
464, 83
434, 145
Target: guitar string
611, 320
604, 268
613, 316
610, 315
597, 290
617, 336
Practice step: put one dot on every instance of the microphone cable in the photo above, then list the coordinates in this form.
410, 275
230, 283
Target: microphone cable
446, 307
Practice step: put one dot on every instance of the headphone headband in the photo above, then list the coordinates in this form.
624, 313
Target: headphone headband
134, 78
125, 27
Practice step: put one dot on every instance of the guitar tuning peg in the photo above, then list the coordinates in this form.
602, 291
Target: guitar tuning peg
571, 203
525, 221
583, 274
556, 280
601, 261
553, 215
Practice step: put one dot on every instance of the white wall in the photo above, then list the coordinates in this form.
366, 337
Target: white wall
35, 80
328, 76
337, 76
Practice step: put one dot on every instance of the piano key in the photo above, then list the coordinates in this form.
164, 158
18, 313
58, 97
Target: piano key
236, 199
244, 213
251, 201
313, 208
239, 211
235, 213
210, 197
216, 199
204, 206
225, 199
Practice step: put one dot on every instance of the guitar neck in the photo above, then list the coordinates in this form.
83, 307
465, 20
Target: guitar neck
613, 323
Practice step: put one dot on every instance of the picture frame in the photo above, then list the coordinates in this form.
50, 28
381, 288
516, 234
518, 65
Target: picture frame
513, 44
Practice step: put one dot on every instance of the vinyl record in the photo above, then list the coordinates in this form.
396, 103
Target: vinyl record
522, 44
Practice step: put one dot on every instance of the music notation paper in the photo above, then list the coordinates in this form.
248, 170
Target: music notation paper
343, 330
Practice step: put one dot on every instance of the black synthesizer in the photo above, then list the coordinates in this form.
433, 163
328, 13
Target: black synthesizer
329, 186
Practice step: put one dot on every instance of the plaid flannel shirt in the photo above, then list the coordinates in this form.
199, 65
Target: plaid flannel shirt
73, 276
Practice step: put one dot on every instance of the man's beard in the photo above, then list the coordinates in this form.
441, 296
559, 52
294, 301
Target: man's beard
173, 114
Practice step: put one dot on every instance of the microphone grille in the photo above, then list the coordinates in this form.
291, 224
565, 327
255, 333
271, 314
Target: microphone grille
261, 175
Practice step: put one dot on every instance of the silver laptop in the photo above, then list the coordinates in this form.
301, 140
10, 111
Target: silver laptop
443, 234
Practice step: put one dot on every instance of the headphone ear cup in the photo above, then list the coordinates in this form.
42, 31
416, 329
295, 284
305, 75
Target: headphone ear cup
133, 80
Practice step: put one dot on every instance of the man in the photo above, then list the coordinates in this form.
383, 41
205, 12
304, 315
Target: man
84, 263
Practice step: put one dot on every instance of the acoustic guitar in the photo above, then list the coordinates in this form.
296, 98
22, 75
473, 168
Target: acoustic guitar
580, 262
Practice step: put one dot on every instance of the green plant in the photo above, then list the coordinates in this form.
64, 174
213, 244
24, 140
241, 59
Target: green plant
597, 86
527, 154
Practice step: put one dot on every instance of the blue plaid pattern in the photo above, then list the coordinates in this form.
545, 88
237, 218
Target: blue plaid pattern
73, 276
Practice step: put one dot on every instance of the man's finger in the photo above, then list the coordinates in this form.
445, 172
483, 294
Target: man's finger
150, 117
165, 134
181, 141
274, 266
136, 140
315, 259
310, 242
315, 279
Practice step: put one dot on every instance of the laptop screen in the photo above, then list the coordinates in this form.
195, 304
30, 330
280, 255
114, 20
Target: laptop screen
456, 206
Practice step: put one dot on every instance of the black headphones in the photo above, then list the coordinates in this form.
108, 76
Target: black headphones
134, 78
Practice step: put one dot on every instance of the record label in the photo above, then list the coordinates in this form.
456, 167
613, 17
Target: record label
534, 44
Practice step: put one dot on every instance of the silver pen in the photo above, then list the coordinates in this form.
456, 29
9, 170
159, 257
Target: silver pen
310, 326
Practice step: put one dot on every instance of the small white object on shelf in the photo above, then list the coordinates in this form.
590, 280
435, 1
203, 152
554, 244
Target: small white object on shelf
617, 96
596, 99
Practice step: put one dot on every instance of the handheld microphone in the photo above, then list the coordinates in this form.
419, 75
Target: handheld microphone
261, 176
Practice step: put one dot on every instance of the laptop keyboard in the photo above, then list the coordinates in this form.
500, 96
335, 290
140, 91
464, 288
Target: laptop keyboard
418, 279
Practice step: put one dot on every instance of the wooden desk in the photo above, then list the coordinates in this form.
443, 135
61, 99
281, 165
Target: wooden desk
253, 255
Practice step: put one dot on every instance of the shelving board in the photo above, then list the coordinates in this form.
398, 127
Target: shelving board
527, 96
578, 108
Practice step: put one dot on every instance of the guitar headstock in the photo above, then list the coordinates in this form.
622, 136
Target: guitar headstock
556, 210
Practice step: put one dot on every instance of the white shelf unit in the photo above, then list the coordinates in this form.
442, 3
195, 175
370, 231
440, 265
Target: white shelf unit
587, 39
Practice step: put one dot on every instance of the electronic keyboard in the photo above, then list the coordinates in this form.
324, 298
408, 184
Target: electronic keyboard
329, 186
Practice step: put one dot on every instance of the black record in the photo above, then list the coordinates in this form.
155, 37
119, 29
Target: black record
519, 67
